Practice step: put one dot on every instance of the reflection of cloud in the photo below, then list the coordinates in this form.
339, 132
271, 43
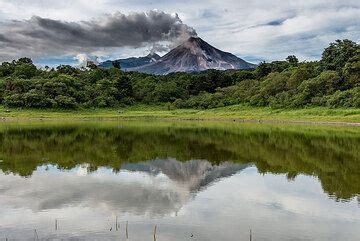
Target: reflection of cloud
273, 207
54, 191
154, 188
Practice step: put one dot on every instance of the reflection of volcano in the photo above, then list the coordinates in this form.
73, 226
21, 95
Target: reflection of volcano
195, 174
154, 188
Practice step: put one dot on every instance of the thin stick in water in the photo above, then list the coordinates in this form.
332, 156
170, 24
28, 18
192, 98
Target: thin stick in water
155, 232
127, 234
116, 224
250, 235
36, 236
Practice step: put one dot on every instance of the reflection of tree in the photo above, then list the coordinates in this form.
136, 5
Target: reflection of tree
331, 156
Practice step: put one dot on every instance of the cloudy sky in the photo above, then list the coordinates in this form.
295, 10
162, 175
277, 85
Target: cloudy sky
53, 32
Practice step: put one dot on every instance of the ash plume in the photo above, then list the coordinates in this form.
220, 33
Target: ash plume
41, 37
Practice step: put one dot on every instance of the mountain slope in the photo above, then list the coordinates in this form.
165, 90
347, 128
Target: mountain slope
132, 62
192, 56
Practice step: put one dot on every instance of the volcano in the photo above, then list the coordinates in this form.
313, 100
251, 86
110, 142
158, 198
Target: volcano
194, 55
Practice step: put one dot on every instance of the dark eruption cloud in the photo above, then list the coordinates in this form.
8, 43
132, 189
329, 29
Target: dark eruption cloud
41, 37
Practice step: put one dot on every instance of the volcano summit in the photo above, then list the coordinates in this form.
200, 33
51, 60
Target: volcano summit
194, 55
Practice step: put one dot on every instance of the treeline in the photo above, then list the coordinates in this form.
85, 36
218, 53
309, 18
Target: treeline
333, 81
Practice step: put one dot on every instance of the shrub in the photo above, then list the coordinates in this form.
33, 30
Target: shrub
37, 99
324, 84
299, 74
66, 102
348, 98
281, 100
351, 71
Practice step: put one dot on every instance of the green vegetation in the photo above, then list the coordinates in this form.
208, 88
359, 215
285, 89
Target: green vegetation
332, 82
229, 113
331, 154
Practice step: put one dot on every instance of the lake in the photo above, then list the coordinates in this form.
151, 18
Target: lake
117, 180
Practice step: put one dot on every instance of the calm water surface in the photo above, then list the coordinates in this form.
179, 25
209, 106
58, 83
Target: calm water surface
195, 181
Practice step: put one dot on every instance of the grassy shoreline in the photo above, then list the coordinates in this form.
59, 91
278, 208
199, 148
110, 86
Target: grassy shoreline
230, 113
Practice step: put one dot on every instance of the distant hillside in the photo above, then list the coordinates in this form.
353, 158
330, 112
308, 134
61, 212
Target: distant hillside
132, 62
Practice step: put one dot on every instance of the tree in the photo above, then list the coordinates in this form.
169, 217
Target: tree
24, 60
25, 70
200, 83
123, 87
337, 54
292, 59
67, 69
299, 74
312, 90
97, 74
279, 66
168, 91
116, 64
242, 75
91, 65
351, 70
263, 70
6, 69
37, 99
347, 98
66, 102
273, 84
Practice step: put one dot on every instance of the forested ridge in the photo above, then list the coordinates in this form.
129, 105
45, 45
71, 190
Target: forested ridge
333, 81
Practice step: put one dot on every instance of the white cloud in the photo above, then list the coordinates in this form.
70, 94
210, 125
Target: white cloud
262, 29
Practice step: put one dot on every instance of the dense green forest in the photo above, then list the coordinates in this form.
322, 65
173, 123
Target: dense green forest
334, 81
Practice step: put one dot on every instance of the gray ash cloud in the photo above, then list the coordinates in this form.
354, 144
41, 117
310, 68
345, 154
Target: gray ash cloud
38, 37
